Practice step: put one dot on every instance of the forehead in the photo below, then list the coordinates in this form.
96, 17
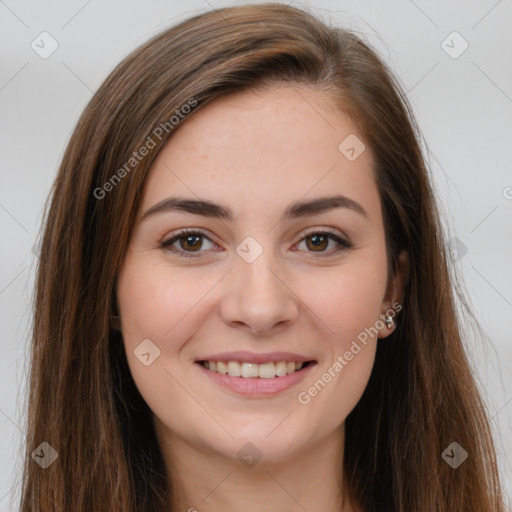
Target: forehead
263, 148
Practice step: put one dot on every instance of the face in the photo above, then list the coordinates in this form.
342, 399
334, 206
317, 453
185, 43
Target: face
286, 293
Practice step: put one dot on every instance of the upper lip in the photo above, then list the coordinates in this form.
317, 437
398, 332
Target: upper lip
253, 357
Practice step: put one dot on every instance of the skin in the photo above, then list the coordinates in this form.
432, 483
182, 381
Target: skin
256, 152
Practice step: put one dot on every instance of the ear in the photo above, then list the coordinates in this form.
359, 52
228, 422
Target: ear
392, 303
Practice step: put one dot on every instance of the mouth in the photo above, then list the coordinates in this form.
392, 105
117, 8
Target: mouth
245, 370
256, 376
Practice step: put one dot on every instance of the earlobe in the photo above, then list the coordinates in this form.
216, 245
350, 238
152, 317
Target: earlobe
388, 324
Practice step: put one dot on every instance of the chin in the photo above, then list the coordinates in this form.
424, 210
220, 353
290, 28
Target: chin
268, 441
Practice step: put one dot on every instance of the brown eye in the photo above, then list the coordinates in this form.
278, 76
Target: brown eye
318, 241
186, 243
190, 242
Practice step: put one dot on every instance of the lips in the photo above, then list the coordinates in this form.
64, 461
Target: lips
253, 374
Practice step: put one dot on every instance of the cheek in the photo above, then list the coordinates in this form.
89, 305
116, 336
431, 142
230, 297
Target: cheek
348, 305
346, 302
156, 306
156, 302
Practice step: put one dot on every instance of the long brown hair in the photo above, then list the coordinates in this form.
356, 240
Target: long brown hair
83, 402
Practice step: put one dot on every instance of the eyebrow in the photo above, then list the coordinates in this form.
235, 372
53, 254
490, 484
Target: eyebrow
295, 210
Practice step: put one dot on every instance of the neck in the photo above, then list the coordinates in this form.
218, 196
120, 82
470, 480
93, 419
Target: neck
311, 480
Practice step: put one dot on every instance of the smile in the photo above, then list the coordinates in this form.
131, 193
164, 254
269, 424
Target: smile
255, 375
269, 370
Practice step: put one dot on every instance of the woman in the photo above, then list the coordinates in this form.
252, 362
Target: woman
243, 299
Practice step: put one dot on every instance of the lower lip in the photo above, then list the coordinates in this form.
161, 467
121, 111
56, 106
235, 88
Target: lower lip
257, 387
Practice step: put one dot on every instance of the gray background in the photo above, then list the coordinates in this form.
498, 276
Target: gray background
463, 106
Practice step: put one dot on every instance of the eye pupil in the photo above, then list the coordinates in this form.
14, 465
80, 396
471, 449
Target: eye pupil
318, 240
188, 240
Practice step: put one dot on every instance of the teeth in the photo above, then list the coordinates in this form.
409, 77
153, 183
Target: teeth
281, 369
253, 370
267, 371
249, 370
234, 369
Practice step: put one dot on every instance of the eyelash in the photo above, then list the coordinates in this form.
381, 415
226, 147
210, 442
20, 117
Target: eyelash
167, 244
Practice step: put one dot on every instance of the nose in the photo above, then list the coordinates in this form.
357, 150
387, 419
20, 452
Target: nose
258, 298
